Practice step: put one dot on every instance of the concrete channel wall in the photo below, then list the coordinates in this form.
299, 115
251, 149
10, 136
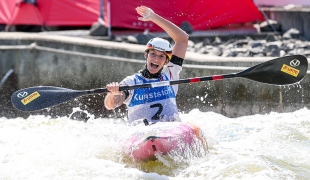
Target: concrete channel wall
81, 63
297, 18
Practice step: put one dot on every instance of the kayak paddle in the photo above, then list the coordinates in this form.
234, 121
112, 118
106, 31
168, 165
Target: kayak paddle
279, 71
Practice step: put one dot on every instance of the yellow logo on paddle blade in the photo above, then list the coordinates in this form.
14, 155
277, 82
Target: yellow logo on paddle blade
30, 98
290, 70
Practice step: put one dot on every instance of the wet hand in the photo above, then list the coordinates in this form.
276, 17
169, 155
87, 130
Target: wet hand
113, 87
145, 12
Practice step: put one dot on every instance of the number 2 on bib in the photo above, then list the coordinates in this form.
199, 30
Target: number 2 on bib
157, 114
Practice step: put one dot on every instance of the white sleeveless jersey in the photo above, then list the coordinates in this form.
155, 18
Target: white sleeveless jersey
154, 104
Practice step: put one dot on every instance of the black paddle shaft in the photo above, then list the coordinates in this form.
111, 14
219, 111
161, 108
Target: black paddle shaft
279, 71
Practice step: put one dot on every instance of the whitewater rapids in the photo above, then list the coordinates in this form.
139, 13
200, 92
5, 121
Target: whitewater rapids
271, 146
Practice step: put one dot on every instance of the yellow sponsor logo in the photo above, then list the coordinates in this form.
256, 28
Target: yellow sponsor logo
30, 98
290, 70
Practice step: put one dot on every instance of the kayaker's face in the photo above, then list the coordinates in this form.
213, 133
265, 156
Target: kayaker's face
155, 60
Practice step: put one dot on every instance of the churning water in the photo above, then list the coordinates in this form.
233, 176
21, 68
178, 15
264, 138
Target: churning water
271, 146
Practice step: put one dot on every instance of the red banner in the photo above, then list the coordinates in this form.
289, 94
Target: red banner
50, 12
201, 14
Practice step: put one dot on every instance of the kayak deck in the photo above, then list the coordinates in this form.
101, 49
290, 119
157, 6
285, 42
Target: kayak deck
147, 144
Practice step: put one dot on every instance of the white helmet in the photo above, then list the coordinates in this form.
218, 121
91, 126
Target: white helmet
160, 45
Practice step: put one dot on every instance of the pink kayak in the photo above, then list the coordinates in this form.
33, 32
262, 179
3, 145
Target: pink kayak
161, 138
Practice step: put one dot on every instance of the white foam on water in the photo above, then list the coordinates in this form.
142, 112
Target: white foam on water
270, 146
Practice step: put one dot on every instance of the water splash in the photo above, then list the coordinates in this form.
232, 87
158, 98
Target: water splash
270, 146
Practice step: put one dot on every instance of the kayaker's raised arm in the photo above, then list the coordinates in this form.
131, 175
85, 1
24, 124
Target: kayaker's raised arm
179, 36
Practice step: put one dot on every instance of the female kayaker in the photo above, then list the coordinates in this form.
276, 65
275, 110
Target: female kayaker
163, 63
